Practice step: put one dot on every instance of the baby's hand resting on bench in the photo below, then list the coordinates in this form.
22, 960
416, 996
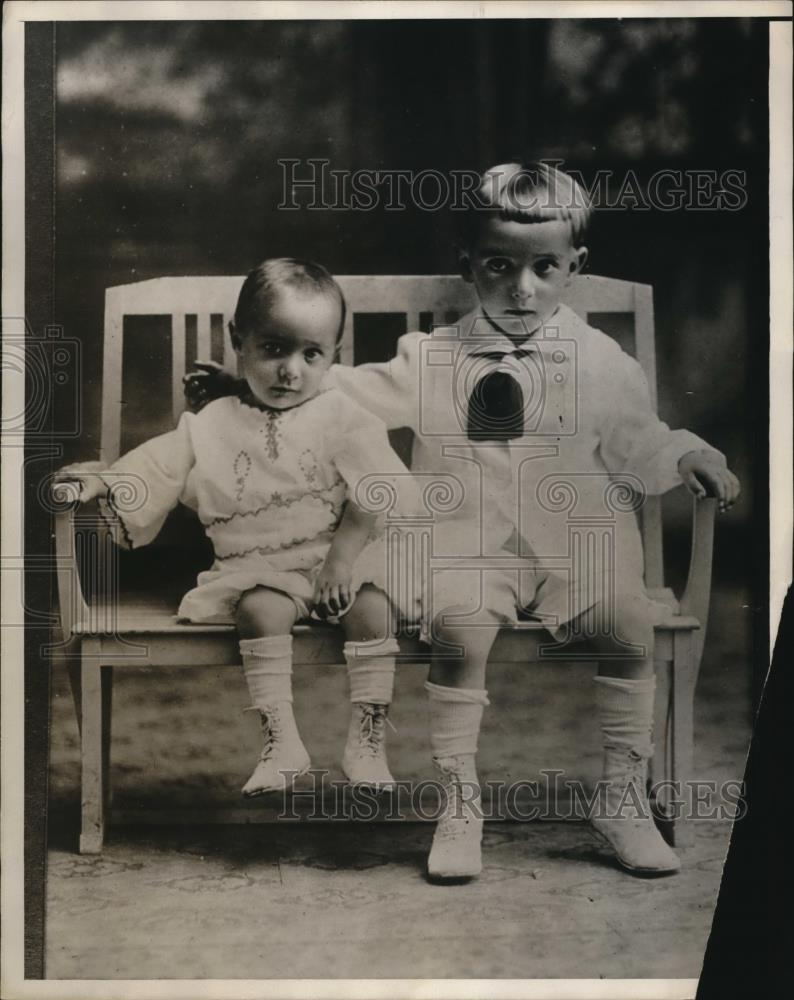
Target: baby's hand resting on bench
705, 473
87, 476
209, 382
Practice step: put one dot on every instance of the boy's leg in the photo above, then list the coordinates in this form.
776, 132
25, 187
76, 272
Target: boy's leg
457, 694
264, 622
624, 695
370, 652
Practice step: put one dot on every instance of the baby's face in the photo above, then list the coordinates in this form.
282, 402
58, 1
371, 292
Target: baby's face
285, 358
520, 271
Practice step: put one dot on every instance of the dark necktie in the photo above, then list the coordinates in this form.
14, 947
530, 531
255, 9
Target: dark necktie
496, 404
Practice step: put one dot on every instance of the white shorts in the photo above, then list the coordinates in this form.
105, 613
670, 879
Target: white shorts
527, 591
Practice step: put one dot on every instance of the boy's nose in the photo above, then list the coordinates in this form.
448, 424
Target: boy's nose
525, 285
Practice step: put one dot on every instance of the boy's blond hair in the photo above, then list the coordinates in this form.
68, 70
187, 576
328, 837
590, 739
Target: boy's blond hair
531, 191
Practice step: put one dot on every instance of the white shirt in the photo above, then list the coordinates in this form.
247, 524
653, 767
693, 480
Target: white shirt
591, 437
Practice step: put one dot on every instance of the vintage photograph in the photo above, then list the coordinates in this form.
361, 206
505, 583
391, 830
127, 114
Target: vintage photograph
396, 476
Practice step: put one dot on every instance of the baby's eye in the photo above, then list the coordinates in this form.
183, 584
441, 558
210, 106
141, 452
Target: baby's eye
543, 267
313, 353
499, 265
272, 349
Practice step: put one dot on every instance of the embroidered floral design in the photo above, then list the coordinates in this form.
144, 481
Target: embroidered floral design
307, 461
272, 434
278, 501
270, 550
242, 466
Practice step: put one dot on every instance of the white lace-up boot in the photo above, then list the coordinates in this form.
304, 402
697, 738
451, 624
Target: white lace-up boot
364, 761
455, 716
456, 850
283, 756
267, 664
370, 671
626, 821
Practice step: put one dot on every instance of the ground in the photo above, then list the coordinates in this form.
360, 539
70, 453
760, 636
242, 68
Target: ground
345, 899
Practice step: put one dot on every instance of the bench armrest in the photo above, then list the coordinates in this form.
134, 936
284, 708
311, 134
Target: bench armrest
71, 603
697, 592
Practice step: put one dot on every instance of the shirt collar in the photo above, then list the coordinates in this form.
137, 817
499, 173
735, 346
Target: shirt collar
478, 335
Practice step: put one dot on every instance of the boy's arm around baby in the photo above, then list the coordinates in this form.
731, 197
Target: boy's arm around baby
389, 389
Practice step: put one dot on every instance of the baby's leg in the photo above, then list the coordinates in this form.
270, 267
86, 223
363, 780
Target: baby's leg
264, 623
456, 689
624, 695
370, 652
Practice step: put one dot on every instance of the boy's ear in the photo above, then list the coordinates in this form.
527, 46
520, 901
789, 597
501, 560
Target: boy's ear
234, 336
579, 261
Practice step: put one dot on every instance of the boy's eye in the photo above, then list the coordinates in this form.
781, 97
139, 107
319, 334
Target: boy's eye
272, 349
498, 264
313, 353
545, 266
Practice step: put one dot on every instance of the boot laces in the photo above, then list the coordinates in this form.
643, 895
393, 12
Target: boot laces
631, 770
458, 808
272, 731
372, 729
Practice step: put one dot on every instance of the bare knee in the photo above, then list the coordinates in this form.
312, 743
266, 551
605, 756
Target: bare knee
369, 617
264, 612
624, 625
472, 638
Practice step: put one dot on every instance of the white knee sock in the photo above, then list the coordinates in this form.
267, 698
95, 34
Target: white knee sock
370, 670
267, 664
455, 717
625, 708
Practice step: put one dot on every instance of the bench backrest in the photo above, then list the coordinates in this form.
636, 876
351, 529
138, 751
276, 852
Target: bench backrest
380, 308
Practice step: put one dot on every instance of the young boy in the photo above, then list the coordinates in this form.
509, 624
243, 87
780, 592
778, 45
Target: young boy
534, 412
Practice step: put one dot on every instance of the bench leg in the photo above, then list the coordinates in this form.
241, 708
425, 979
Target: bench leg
683, 680
92, 811
659, 765
74, 670
107, 715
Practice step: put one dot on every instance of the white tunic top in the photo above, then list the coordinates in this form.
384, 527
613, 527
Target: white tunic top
269, 487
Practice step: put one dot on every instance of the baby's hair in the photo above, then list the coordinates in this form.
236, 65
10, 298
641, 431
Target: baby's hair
261, 285
527, 191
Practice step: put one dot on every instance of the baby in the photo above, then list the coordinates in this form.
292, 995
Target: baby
273, 472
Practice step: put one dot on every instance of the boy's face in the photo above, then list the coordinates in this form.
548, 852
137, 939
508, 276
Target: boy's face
520, 270
286, 356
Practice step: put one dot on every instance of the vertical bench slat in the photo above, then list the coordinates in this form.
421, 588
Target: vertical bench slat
177, 364
203, 336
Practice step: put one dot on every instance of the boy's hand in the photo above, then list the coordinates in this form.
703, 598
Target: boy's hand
208, 383
86, 475
706, 474
332, 596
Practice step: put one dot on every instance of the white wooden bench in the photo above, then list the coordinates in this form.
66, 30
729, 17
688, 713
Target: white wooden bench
125, 630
